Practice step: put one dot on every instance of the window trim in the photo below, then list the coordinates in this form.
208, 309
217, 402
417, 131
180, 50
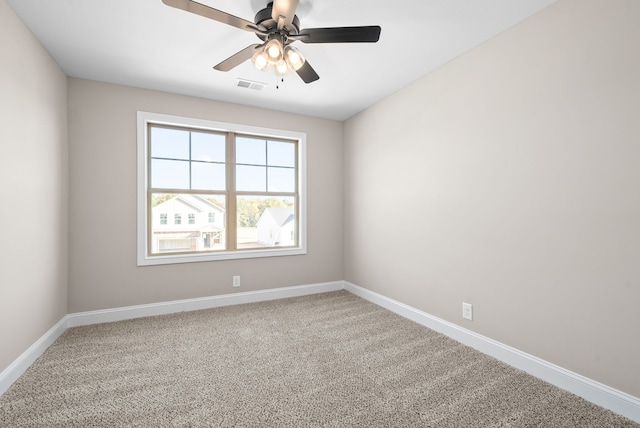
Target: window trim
143, 256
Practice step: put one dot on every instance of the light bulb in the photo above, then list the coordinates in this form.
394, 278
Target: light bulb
294, 58
273, 50
282, 67
260, 60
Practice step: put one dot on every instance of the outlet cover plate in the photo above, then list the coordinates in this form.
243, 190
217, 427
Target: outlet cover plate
467, 311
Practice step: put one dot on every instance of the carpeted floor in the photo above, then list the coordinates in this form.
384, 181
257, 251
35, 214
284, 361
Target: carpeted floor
327, 360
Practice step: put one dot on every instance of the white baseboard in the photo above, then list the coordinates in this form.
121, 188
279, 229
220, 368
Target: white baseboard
595, 392
164, 308
9, 375
22, 363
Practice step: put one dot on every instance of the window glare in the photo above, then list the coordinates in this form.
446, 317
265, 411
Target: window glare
251, 151
281, 154
169, 174
169, 143
207, 176
282, 180
208, 147
251, 178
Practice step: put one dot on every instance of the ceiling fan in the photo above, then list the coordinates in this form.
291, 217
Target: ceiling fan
278, 27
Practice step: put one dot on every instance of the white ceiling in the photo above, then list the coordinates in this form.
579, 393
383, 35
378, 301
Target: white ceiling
146, 44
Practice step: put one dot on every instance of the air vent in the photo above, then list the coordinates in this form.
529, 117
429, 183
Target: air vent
244, 83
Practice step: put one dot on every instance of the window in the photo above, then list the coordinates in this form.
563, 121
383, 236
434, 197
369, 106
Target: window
242, 190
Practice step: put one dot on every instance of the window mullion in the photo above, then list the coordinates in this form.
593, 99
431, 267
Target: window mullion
190, 163
266, 165
231, 209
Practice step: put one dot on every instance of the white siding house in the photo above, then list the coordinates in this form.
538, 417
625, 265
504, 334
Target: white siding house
277, 227
187, 223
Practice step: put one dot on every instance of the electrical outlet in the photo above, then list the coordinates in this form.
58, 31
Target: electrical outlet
236, 281
467, 311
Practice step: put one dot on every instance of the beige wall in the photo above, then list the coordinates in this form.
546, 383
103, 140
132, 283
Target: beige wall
33, 190
509, 179
102, 138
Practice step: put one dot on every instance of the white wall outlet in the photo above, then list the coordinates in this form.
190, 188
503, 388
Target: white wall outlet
236, 281
467, 311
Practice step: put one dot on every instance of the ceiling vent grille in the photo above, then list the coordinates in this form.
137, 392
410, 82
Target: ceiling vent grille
244, 83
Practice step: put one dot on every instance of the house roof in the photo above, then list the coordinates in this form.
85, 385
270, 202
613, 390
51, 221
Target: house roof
196, 202
281, 216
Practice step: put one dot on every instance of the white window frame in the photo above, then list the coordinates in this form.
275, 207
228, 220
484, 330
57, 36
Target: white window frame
144, 256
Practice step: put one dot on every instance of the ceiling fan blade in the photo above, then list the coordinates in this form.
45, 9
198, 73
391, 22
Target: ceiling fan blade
237, 58
285, 9
307, 73
211, 13
368, 34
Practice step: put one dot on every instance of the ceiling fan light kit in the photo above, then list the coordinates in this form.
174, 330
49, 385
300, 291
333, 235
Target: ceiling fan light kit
285, 59
278, 26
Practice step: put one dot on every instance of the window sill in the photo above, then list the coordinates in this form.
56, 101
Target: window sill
146, 260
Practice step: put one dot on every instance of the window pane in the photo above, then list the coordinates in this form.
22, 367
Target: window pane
207, 176
196, 223
208, 147
266, 222
169, 174
281, 180
251, 178
251, 151
281, 154
169, 143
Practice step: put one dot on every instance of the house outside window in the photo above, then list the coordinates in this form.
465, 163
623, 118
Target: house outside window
241, 188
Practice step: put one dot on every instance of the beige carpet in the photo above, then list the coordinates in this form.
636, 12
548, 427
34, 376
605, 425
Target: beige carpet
328, 360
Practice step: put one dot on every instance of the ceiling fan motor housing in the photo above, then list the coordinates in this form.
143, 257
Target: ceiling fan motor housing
263, 19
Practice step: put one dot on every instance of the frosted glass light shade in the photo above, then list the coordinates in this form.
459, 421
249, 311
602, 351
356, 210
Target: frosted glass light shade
260, 60
294, 58
274, 51
282, 67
